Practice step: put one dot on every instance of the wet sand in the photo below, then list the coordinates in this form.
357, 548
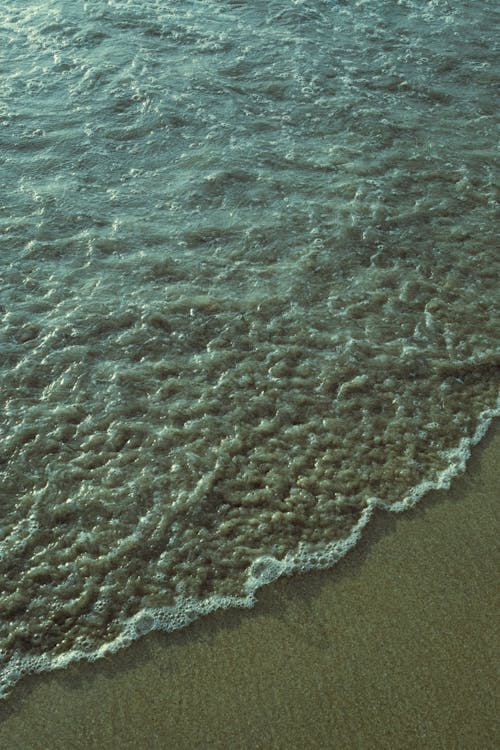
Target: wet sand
396, 647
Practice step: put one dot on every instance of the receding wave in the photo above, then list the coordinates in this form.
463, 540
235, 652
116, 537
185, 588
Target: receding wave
249, 293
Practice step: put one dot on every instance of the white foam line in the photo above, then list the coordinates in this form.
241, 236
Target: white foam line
263, 570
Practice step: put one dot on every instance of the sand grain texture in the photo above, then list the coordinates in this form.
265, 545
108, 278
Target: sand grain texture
395, 647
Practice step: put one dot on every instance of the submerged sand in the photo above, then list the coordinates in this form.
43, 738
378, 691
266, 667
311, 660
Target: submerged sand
393, 648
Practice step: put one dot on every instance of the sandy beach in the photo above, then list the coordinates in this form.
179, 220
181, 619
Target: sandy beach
393, 648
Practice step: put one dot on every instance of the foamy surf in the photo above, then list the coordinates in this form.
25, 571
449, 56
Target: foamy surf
263, 571
250, 293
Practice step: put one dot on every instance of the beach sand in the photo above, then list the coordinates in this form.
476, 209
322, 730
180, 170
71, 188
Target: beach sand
393, 648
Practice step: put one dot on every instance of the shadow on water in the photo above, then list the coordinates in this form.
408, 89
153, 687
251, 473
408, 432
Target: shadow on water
275, 600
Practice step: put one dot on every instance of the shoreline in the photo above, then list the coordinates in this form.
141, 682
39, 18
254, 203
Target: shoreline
392, 647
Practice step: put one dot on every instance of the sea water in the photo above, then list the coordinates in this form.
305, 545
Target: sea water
249, 292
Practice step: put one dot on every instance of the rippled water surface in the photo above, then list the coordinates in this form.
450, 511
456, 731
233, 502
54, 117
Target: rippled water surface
249, 290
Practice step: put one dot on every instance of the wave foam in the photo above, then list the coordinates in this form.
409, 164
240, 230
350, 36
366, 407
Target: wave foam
264, 570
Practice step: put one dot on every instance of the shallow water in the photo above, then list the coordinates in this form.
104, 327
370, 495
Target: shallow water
249, 291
